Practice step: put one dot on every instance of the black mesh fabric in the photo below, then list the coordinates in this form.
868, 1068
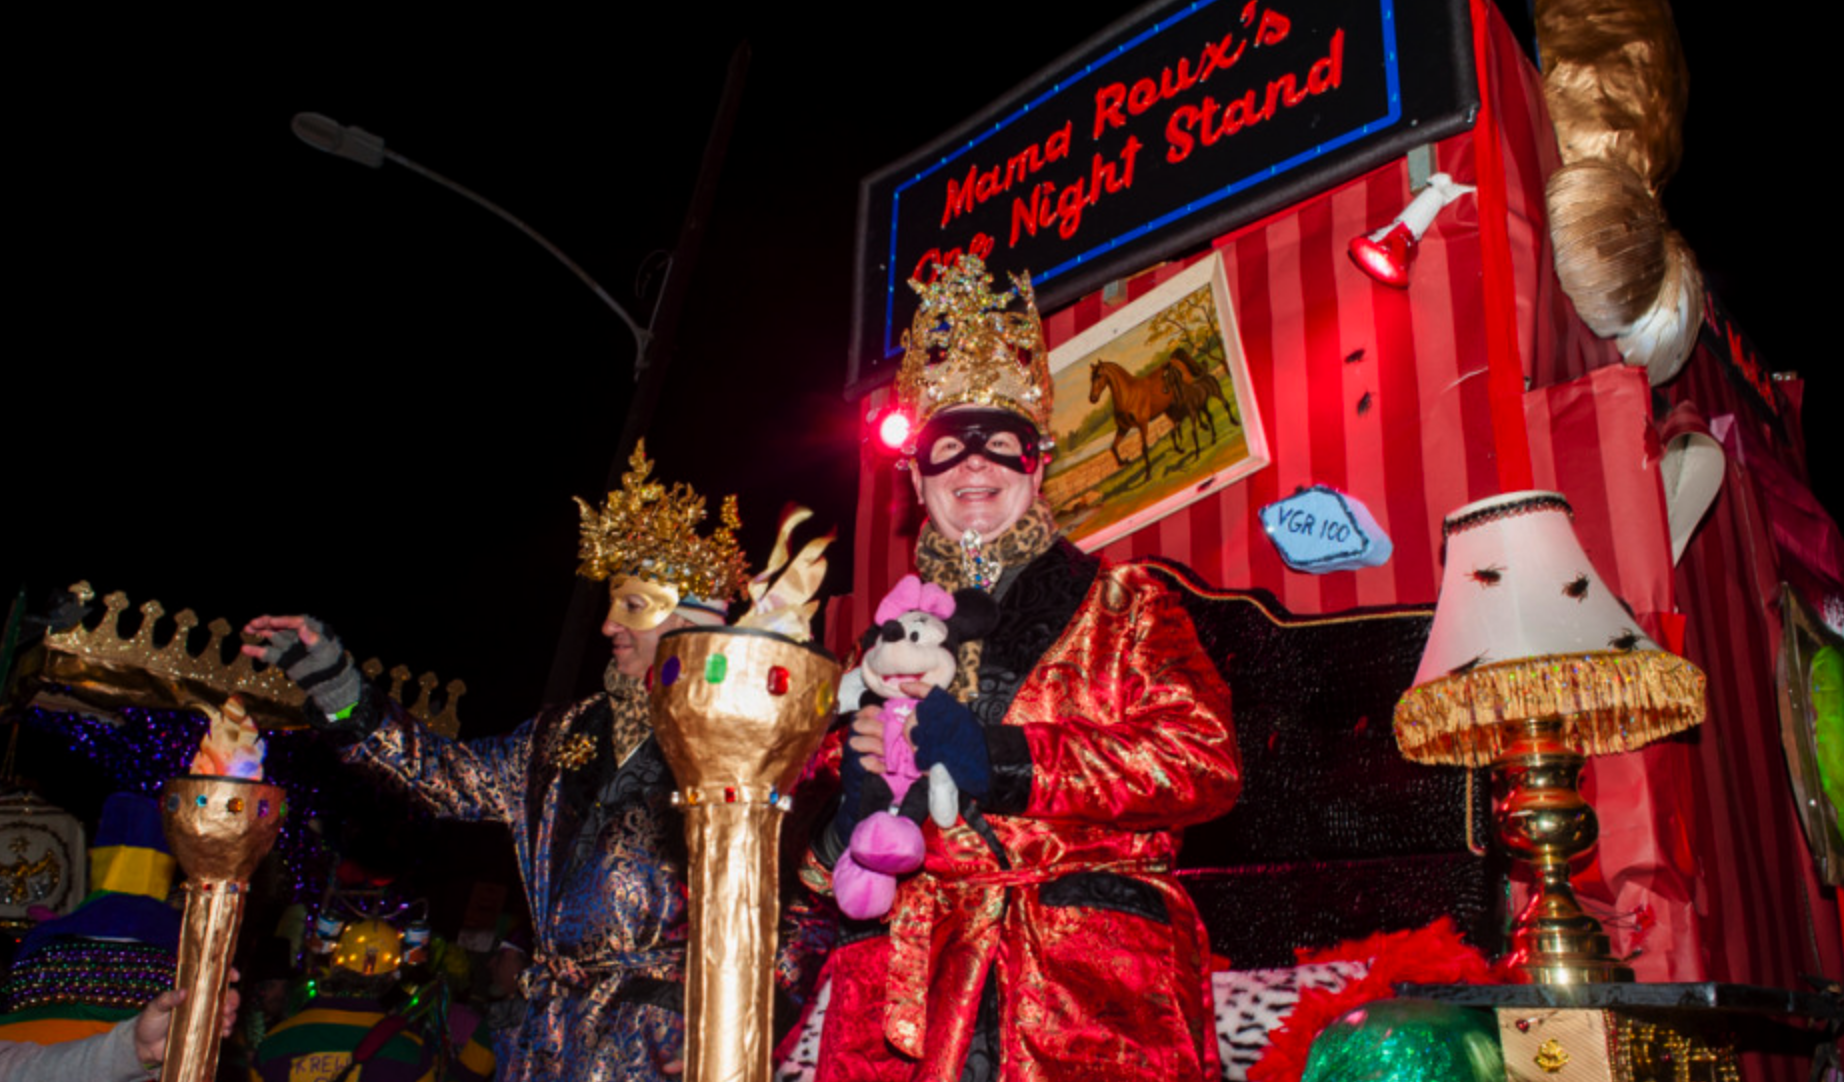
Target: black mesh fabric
1336, 836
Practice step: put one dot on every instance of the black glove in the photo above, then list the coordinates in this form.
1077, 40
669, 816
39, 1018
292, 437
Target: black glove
65, 611
860, 793
947, 733
336, 698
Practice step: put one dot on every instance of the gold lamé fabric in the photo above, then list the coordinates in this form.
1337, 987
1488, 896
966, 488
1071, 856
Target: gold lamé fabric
219, 829
738, 713
721, 720
601, 853
1608, 231
781, 594
1608, 703
1615, 83
735, 884
1098, 956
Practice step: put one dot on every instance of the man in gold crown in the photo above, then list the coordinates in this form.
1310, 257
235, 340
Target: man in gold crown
583, 788
1045, 937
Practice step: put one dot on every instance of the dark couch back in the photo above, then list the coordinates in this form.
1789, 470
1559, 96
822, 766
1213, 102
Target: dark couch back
1336, 836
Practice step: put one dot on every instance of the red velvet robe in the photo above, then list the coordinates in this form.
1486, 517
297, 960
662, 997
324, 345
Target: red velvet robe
1129, 735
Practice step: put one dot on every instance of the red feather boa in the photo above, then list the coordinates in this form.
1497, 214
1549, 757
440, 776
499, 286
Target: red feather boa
1431, 955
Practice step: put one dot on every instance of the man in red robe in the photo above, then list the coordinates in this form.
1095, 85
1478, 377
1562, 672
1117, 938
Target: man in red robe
1046, 937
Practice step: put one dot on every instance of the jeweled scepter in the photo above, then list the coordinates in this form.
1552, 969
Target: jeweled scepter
737, 713
221, 820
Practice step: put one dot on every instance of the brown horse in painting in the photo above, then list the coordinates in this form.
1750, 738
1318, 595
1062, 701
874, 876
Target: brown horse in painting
1137, 400
1190, 399
1202, 382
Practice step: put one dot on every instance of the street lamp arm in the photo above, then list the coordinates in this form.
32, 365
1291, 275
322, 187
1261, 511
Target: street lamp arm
324, 133
641, 334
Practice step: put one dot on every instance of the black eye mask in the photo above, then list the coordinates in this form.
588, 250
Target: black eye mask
973, 428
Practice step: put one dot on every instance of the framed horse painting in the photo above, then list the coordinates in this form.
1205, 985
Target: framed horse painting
1153, 410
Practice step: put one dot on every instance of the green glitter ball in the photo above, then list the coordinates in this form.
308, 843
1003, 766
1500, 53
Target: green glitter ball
1408, 1040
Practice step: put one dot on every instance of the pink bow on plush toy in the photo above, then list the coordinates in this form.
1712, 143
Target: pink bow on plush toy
911, 594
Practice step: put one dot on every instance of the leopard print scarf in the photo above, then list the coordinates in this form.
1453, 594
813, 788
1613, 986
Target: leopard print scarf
939, 560
632, 709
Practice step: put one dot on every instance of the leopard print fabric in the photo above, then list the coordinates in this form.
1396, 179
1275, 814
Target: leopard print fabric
803, 1057
1250, 1003
633, 713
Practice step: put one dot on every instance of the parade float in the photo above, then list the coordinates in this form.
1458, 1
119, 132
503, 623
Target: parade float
1316, 278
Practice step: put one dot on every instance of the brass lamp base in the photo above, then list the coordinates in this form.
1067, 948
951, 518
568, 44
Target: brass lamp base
1558, 949
1542, 819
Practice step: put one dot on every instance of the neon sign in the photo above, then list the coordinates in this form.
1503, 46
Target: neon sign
1179, 123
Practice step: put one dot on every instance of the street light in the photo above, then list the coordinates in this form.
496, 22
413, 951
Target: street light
655, 341
357, 144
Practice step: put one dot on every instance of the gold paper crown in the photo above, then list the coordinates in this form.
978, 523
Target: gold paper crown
648, 530
969, 346
83, 669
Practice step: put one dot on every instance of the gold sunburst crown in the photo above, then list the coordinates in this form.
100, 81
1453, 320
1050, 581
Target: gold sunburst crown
970, 346
645, 528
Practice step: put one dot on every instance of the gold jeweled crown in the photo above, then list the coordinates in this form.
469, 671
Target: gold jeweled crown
648, 530
969, 346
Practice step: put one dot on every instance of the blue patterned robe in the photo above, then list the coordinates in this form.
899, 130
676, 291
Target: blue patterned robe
586, 794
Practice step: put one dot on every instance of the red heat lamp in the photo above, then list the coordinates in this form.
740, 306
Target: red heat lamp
1385, 254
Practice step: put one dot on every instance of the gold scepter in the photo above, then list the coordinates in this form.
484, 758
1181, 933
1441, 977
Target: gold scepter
738, 711
219, 827
220, 819
737, 714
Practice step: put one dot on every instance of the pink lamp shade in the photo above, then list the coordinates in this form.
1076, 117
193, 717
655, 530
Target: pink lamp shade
1526, 628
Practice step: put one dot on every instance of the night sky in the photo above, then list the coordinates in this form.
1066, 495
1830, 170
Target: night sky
253, 377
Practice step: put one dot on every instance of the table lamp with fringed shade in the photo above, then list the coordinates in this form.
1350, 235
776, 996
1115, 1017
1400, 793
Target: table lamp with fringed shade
1532, 665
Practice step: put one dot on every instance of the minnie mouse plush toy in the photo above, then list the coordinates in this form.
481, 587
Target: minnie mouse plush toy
919, 626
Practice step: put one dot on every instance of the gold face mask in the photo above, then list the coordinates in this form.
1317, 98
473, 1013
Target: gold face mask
640, 604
